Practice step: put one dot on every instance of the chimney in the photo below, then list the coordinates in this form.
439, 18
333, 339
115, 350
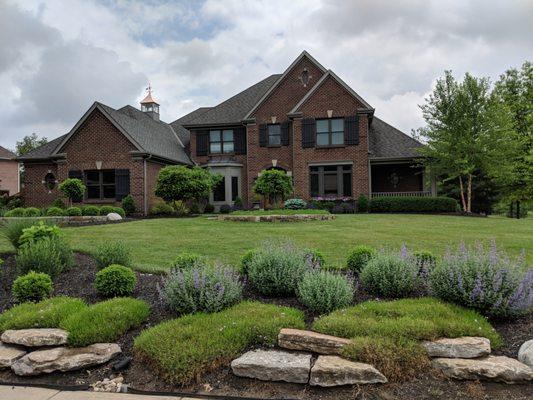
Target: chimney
149, 105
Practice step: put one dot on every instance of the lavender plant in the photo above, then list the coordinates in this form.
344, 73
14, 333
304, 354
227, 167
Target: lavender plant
484, 279
201, 288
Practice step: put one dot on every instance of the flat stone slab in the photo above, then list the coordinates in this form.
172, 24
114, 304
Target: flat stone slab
35, 337
462, 347
335, 371
493, 368
525, 353
273, 365
296, 339
64, 359
9, 354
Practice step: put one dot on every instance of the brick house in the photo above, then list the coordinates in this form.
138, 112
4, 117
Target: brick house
9, 173
306, 121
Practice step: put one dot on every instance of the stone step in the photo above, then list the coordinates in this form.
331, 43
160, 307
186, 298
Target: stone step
9, 354
525, 353
64, 358
273, 365
35, 337
461, 347
493, 368
296, 339
335, 371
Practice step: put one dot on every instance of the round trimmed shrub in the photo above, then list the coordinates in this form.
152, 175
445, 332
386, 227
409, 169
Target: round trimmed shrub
295, 204
74, 211
50, 255
324, 292
90, 210
187, 261
201, 288
32, 212
390, 275
109, 253
104, 210
115, 281
120, 211
33, 286
16, 212
55, 212
128, 205
276, 268
359, 257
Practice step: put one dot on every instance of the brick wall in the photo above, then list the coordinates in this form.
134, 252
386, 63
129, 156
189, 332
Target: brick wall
9, 176
34, 192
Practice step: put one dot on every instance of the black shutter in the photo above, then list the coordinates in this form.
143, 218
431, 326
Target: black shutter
202, 143
285, 133
239, 138
122, 183
308, 133
75, 175
351, 129
263, 136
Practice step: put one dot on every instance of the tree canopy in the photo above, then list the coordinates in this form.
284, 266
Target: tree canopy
183, 183
273, 184
29, 143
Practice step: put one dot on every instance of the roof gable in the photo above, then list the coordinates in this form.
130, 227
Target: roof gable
5, 154
387, 142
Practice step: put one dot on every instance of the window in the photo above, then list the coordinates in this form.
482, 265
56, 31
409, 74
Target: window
221, 141
100, 184
330, 132
234, 187
331, 180
219, 193
50, 181
274, 135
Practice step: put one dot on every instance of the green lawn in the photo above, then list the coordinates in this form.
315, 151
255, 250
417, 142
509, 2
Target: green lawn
155, 242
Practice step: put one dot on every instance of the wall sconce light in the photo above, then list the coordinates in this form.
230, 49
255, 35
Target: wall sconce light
98, 165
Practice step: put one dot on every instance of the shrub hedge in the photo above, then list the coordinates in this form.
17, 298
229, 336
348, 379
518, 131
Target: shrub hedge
413, 205
180, 349
105, 321
90, 210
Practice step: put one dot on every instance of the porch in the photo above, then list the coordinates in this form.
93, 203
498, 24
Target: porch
403, 178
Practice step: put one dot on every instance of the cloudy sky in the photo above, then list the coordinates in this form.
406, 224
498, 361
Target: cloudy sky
57, 57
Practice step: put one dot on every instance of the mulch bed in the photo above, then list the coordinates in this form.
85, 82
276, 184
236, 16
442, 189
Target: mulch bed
78, 282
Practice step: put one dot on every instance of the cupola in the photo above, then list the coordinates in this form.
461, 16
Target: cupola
149, 105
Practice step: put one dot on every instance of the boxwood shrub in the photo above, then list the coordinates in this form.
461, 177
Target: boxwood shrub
104, 210
359, 257
32, 212
115, 281
16, 212
413, 205
33, 287
55, 212
74, 211
90, 210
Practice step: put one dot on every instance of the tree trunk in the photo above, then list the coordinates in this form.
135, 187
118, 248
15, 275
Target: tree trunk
469, 194
518, 209
462, 189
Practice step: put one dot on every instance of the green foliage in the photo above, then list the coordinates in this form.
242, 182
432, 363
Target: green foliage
425, 258
29, 143
225, 209
180, 209
314, 259
104, 322
390, 275
183, 183
115, 281
90, 210
50, 255
32, 287
44, 314
55, 212
12, 229
201, 288
59, 203
74, 211
104, 210
385, 333
413, 204
246, 260
295, 204
362, 204
73, 189
359, 257
276, 268
129, 205
181, 349
32, 212
162, 209
324, 291
15, 212
273, 184
109, 253
120, 211
238, 204
209, 208
38, 232
187, 260
517, 210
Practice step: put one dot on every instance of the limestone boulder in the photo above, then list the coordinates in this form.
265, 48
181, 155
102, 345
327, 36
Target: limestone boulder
35, 337
113, 217
9, 354
493, 368
296, 339
273, 365
335, 371
525, 353
462, 347
64, 359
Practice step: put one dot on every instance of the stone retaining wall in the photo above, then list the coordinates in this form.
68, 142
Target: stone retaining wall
277, 218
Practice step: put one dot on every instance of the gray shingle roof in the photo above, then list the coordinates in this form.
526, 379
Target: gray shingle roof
184, 134
388, 142
233, 110
5, 154
44, 151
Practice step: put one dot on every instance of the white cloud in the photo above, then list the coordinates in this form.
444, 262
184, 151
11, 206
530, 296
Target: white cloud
57, 57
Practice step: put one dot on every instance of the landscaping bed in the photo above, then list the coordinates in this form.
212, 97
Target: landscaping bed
78, 282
